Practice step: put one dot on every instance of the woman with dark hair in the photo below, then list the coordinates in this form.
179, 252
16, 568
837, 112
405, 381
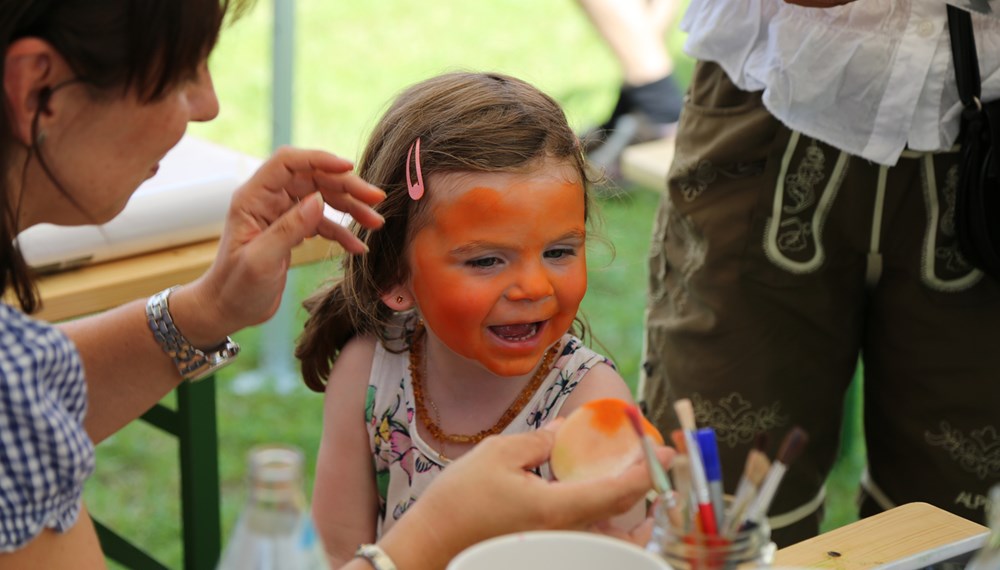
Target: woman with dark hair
95, 93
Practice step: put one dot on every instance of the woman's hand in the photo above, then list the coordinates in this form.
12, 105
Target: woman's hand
281, 205
490, 492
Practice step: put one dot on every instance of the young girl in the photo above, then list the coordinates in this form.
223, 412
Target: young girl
456, 325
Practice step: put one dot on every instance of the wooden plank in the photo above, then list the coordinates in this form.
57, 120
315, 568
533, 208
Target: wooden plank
90, 289
646, 164
901, 533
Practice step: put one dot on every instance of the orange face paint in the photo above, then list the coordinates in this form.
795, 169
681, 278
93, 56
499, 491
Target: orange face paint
608, 416
500, 270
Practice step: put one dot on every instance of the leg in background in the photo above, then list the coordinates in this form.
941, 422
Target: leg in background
757, 288
932, 399
649, 98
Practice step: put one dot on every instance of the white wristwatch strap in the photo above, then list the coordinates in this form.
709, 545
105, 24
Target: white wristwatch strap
192, 363
375, 556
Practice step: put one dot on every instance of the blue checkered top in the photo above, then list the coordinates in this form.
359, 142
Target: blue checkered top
45, 454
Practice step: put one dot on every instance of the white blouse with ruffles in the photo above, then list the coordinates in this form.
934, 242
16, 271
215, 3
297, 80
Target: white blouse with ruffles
871, 77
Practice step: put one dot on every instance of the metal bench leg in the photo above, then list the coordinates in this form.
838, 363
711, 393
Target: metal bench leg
199, 463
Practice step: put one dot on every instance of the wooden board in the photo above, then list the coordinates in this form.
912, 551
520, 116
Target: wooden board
908, 532
646, 164
90, 289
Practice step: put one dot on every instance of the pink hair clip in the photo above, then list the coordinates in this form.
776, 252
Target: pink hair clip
416, 190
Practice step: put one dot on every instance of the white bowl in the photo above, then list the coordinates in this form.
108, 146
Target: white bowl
552, 550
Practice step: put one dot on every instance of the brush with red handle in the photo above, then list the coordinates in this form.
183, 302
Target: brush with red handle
685, 412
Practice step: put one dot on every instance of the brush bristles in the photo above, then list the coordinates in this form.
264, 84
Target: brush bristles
677, 436
685, 413
793, 445
756, 467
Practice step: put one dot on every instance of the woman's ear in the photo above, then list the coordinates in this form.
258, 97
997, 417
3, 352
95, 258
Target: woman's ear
31, 67
398, 298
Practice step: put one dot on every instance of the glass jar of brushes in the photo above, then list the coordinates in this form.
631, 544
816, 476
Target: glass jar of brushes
689, 548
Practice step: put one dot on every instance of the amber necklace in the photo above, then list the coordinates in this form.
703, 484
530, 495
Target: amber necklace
416, 376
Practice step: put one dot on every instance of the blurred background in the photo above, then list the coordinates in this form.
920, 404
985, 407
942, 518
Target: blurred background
350, 60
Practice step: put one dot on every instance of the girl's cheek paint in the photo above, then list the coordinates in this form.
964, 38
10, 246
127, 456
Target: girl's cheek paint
524, 219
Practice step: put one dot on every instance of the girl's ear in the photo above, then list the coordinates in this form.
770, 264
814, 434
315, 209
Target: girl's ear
398, 298
31, 66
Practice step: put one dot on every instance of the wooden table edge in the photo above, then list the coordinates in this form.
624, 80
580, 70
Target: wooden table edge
896, 534
94, 288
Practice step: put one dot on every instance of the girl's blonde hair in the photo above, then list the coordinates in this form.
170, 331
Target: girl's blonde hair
466, 122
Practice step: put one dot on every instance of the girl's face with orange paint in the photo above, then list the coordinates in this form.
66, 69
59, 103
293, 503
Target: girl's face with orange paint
500, 269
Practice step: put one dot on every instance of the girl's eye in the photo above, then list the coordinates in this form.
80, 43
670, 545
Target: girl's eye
559, 253
483, 262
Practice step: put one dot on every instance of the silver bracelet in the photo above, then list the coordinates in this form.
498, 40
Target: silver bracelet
192, 363
375, 556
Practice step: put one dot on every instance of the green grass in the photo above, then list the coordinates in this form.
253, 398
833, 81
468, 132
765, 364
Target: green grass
351, 59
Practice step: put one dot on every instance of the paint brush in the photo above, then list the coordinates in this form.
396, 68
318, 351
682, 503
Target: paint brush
754, 471
713, 469
681, 471
791, 448
685, 413
656, 473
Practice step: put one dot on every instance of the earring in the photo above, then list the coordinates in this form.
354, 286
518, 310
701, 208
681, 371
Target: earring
400, 299
40, 138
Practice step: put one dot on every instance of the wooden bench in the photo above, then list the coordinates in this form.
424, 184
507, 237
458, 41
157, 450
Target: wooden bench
646, 164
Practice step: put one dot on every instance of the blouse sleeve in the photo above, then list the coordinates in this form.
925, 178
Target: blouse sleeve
45, 453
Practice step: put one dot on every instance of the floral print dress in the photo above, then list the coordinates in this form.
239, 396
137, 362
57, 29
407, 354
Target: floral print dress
404, 463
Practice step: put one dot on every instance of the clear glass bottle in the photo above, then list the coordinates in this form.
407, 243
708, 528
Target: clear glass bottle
275, 530
988, 558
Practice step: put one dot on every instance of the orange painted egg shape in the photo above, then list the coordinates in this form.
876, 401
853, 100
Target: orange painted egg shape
597, 440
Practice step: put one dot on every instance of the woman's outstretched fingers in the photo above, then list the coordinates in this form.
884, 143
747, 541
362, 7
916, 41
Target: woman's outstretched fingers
341, 234
350, 194
323, 170
274, 245
300, 172
293, 175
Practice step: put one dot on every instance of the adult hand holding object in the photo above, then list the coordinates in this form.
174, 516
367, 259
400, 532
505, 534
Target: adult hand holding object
490, 492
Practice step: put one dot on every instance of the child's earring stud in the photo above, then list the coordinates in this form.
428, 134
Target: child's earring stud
400, 299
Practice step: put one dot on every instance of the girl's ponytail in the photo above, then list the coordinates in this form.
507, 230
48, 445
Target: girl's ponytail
327, 329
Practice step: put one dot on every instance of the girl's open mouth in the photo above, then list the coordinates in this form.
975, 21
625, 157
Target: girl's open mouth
518, 332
